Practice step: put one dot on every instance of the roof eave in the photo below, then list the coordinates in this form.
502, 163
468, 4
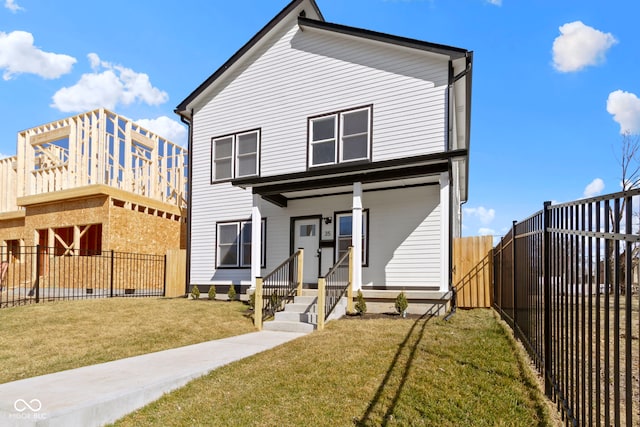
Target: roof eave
449, 51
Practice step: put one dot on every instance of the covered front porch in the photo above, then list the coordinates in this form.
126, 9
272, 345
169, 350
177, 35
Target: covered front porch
397, 225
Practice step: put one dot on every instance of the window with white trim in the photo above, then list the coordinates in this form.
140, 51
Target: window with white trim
235, 156
234, 244
344, 136
344, 232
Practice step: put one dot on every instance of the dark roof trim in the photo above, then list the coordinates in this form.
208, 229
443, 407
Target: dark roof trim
340, 180
363, 171
450, 51
182, 107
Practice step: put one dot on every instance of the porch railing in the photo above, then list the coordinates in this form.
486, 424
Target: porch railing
276, 288
334, 285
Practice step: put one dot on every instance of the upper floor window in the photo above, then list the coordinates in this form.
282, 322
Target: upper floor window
343, 136
235, 155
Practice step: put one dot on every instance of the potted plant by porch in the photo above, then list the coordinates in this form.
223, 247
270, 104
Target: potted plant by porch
401, 304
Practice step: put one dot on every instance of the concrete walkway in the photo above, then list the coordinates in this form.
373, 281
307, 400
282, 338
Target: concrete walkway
100, 394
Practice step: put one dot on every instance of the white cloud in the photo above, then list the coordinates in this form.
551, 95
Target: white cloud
594, 188
484, 215
112, 86
167, 128
18, 55
625, 109
12, 6
579, 46
495, 2
483, 231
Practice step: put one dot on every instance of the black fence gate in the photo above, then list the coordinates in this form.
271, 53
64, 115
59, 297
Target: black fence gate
37, 274
566, 280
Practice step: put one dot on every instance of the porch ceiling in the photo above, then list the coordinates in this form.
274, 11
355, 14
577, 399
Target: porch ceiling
337, 180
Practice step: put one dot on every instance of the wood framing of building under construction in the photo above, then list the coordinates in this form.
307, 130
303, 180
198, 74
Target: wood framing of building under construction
95, 181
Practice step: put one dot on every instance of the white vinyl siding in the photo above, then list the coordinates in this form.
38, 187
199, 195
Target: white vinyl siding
305, 74
295, 75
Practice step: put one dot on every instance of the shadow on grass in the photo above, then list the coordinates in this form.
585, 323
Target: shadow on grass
410, 344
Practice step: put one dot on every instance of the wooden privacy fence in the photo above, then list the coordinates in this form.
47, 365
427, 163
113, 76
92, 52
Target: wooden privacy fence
176, 272
473, 267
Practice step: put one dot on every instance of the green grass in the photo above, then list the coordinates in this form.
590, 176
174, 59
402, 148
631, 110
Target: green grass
379, 372
51, 337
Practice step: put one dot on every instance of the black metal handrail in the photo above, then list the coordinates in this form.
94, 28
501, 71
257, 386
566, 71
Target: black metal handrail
279, 286
337, 282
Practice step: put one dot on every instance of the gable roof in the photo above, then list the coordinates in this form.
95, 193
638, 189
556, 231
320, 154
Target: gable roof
182, 108
460, 58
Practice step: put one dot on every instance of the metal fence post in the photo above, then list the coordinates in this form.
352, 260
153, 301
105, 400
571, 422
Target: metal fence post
546, 253
513, 274
37, 278
350, 288
164, 278
111, 276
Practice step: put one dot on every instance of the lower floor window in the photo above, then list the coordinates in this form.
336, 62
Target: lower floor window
344, 233
234, 244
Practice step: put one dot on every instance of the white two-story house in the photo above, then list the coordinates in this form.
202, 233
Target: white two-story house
321, 136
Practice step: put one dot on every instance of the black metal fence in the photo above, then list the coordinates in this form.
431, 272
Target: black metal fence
566, 280
36, 274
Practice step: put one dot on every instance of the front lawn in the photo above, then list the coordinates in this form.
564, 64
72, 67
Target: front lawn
379, 372
51, 337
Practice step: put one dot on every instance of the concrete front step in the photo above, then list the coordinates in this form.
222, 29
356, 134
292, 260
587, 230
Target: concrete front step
305, 299
298, 307
286, 326
292, 316
298, 316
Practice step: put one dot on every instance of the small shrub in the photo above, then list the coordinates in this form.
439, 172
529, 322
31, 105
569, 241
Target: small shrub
212, 292
231, 293
252, 301
195, 292
401, 303
361, 305
274, 301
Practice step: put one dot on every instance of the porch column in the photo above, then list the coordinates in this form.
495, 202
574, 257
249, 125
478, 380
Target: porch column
445, 219
356, 235
256, 240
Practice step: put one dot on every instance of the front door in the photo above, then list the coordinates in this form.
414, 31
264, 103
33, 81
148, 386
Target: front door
307, 236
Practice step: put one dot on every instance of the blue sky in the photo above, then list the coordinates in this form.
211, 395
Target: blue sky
555, 82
